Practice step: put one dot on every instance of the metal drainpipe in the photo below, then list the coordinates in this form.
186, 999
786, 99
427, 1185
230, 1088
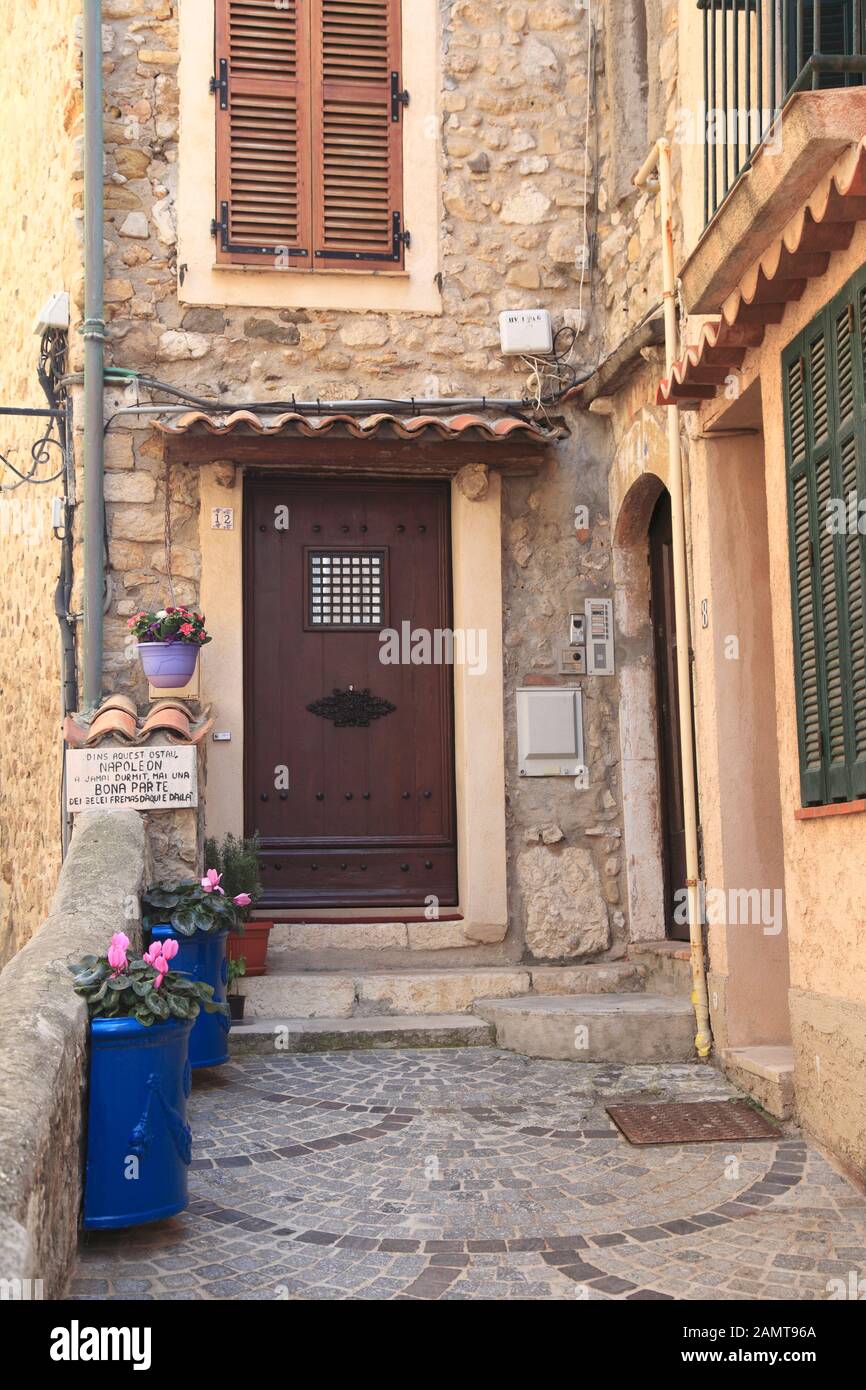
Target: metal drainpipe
660, 158
93, 331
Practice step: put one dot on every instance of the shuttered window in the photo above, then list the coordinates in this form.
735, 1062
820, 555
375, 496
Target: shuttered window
309, 134
825, 427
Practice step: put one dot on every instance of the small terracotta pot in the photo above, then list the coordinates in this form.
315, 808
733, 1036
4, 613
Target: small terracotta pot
252, 944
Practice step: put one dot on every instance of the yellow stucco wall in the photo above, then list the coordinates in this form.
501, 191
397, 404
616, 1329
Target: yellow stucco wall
39, 106
822, 859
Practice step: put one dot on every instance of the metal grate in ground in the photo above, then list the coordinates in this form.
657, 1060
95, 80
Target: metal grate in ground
693, 1122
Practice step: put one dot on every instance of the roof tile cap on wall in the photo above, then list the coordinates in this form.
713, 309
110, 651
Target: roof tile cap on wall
113, 721
455, 428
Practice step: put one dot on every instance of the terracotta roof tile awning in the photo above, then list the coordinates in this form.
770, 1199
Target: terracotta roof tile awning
117, 720
453, 428
824, 224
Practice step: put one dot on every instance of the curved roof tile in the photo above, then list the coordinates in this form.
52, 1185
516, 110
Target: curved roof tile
824, 224
454, 428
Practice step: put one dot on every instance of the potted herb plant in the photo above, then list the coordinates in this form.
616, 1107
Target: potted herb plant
237, 968
138, 1142
237, 860
168, 644
200, 914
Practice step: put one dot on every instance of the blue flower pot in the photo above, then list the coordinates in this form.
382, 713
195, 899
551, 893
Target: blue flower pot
138, 1143
203, 957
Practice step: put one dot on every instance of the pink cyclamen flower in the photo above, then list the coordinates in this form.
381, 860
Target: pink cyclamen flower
211, 882
155, 956
117, 951
242, 900
117, 959
170, 949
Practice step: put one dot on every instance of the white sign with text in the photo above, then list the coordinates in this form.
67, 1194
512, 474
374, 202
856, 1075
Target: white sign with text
144, 779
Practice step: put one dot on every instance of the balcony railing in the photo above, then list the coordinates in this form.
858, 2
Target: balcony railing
756, 53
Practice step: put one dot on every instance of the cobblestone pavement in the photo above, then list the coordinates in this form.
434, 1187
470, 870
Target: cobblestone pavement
476, 1173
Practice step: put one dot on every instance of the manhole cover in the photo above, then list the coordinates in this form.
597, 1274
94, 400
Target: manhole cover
698, 1122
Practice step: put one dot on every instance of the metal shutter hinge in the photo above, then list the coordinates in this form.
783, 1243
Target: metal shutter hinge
221, 84
398, 98
221, 228
398, 236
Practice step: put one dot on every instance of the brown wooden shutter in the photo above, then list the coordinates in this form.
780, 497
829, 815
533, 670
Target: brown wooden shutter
262, 82
357, 135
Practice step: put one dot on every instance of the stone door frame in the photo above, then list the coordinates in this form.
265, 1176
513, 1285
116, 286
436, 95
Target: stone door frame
478, 698
639, 488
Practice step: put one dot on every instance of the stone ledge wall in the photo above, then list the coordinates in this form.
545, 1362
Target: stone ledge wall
43, 1047
829, 1038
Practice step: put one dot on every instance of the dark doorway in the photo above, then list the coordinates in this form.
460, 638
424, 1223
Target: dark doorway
667, 714
349, 761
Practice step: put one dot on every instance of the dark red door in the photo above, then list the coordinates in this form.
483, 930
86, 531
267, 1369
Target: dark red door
349, 759
667, 711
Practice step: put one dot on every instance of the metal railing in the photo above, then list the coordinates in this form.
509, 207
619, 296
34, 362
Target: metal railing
755, 54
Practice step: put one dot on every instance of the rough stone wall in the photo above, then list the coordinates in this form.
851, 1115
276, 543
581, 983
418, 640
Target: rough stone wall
514, 197
39, 106
513, 200
629, 228
565, 842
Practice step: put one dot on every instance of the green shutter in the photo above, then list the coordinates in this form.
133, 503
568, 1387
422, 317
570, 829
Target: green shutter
807, 667
823, 371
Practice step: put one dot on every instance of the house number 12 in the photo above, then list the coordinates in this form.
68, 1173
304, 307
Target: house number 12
222, 519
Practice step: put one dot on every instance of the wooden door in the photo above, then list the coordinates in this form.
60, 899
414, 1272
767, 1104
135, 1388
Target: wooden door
349, 759
668, 718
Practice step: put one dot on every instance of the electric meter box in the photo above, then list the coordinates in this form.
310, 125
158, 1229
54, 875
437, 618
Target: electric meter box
550, 731
528, 331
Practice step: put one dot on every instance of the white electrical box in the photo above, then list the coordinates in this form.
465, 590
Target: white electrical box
526, 331
550, 731
599, 636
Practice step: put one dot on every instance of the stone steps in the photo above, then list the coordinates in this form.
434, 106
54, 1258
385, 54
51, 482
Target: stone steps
276, 1037
286, 993
766, 1073
327, 939
666, 966
632, 1028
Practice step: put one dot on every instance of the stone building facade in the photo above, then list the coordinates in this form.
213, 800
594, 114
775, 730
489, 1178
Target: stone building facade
510, 199
520, 143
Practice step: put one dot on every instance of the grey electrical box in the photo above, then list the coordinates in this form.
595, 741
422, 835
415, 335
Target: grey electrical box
550, 731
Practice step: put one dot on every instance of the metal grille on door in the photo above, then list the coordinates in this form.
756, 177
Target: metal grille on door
346, 588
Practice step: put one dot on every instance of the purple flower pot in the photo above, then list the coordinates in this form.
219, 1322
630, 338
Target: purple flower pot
168, 665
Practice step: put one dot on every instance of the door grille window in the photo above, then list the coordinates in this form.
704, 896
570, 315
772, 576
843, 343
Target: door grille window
346, 589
